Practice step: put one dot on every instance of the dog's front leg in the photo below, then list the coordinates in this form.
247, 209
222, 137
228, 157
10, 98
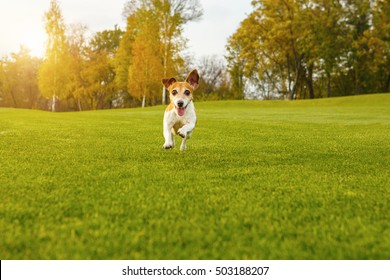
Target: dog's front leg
167, 131
183, 145
185, 132
168, 144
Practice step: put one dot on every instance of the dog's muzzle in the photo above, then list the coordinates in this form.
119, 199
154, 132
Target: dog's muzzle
180, 104
180, 109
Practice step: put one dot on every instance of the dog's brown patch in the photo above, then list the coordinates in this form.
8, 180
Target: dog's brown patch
169, 107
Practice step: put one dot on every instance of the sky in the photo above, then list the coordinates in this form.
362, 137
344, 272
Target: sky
21, 22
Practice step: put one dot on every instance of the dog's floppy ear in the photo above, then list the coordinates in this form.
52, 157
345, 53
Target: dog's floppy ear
193, 79
168, 82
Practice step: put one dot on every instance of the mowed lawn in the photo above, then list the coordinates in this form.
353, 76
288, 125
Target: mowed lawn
260, 180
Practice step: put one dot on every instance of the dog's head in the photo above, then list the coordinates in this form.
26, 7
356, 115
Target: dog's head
180, 93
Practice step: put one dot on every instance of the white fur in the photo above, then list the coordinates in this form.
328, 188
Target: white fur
180, 116
183, 125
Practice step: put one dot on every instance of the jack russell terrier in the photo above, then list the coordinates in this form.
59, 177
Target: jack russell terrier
179, 116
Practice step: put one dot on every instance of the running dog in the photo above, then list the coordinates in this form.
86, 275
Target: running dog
180, 116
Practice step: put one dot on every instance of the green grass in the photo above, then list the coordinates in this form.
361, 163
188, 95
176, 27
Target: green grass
260, 180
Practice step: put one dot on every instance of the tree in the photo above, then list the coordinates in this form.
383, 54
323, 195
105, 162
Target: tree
375, 47
357, 12
381, 33
236, 64
146, 60
8, 83
99, 71
268, 42
18, 84
167, 18
77, 47
325, 43
54, 71
214, 83
173, 14
291, 47
2, 80
27, 89
123, 57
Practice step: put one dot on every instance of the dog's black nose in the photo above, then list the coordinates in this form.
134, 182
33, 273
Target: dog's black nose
180, 104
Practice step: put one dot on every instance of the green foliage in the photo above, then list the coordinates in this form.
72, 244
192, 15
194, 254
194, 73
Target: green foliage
284, 49
146, 66
312, 48
114, 69
152, 45
99, 69
54, 71
123, 56
78, 80
260, 180
18, 83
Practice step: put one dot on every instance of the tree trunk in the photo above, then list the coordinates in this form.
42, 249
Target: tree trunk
53, 103
310, 81
143, 101
328, 88
289, 78
14, 99
165, 59
357, 81
296, 80
164, 96
79, 104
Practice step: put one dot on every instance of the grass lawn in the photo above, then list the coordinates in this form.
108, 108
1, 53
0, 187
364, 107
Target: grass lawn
260, 180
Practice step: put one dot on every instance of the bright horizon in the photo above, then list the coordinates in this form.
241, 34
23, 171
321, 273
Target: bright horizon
21, 23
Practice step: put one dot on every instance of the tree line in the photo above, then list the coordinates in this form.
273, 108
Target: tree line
111, 69
297, 49
291, 49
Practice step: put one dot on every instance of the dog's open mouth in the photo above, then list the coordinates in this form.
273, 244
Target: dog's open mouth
181, 111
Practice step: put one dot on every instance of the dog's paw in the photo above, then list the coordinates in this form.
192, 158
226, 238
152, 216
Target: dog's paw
182, 133
167, 146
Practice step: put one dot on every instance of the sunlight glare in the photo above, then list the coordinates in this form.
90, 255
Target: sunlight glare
35, 42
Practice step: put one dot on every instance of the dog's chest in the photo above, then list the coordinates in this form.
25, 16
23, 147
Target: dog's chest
180, 123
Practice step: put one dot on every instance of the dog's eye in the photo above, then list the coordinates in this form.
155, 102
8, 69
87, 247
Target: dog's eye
187, 92
174, 92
